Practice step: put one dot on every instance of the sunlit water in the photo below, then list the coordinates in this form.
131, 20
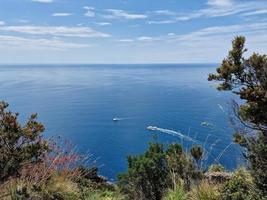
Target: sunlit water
79, 103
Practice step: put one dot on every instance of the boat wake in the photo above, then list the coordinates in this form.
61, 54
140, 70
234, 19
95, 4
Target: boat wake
115, 119
171, 132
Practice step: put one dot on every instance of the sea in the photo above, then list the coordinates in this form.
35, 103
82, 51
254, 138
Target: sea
105, 111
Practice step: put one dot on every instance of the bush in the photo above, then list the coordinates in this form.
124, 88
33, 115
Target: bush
240, 187
103, 195
204, 191
178, 193
57, 187
147, 175
19, 144
216, 168
151, 174
247, 78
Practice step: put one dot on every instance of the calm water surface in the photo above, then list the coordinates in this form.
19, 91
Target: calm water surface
79, 102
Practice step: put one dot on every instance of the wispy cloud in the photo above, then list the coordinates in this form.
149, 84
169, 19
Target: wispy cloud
43, 1
222, 8
26, 43
146, 39
55, 31
164, 12
61, 14
208, 33
220, 2
125, 40
2, 23
89, 11
162, 22
222, 31
121, 14
215, 8
257, 12
103, 23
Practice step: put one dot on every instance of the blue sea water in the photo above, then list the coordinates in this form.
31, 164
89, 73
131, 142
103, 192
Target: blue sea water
78, 102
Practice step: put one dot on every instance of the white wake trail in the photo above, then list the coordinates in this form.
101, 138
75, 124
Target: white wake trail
171, 132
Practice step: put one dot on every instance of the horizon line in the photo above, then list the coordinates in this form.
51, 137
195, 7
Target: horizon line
178, 63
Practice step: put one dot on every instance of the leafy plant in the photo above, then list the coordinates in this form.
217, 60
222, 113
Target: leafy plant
151, 174
178, 193
19, 144
247, 78
240, 187
216, 168
204, 191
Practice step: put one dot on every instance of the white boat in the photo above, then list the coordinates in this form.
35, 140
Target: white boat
152, 128
116, 119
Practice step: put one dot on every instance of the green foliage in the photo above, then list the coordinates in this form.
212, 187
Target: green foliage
150, 175
257, 155
181, 166
103, 195
197, 153
240, 187
204, 191
19, 145
248, 79
216, 168
147, 176
178, 193
58, 187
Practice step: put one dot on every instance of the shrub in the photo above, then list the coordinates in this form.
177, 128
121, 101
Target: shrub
239, 187
151, 174
147, 175
58, 187
103, 195
216, 168
204, 191
19, 144
178, 193
247, 78
181, 166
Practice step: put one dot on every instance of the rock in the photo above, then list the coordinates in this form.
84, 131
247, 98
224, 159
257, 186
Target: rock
218, 177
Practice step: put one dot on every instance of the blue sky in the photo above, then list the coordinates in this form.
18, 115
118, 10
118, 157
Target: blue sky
128, 31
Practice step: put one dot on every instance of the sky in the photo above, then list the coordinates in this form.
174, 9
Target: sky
128, 31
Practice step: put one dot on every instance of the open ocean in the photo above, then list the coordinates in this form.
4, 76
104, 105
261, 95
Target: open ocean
79, 102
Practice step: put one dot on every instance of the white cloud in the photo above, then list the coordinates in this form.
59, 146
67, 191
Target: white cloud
220, 2
257, 12
215, 8
121, 14
61, 14
43, 1
103, 23
55, 31
2, 23
222, 31
146, 39
21, 43
164, 12
125, 40
89, 8
162, 22
206, 34
171, 34
216, 40
89, 11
